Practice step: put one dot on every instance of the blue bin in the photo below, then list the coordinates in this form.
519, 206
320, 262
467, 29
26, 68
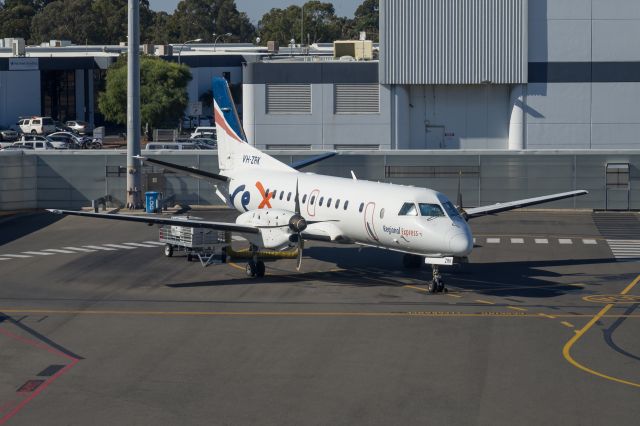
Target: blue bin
151, 201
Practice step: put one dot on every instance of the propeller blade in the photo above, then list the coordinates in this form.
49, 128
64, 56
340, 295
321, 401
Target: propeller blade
297, 199
300, 248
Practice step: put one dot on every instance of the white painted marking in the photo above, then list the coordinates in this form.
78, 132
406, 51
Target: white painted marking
17, 256
101, 248
589, 241
120, 246
565, 241
139, 245
625, 250
60, 251
517, 241
38, 253
541, 241
84, 250
157, 243
493, 240
4, 258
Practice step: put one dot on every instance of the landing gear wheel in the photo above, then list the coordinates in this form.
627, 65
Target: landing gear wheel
436, 285
251, 269
168, 250
432, 287
260, 269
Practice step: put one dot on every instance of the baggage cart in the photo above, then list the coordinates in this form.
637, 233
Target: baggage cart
201, 243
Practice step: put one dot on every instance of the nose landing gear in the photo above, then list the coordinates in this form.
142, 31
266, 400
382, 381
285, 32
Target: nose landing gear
437, 284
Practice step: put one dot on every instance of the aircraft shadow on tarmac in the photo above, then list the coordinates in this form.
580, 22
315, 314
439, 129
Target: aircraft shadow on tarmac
369, 267
23, 225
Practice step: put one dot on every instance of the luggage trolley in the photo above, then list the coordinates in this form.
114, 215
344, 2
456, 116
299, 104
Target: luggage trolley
202, 243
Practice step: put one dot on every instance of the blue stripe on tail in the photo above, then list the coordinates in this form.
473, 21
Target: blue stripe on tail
222, 97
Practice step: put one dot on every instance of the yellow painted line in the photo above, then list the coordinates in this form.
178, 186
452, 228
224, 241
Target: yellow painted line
577, 285
486, 302
548, 316
566, 324
234, 265
516, 308
416, 288
454, 295
109, 312
566, 350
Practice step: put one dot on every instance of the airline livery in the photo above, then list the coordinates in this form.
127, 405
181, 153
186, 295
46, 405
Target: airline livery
282, 207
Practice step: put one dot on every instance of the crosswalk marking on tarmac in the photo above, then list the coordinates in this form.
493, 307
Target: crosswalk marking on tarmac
565, 241
60, 251
517, 241
120, 246
17, 256
157, 243
83, 250
493, 240
541, 241
588, 241
138, 245
625, 249
101, 248
38, 253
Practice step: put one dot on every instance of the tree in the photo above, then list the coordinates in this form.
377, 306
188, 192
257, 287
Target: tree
367, 19
87, 21
163, 94
15, 18
195, 19
320, 24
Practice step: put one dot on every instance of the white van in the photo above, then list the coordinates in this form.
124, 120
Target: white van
37, 125
38, 145
204, 132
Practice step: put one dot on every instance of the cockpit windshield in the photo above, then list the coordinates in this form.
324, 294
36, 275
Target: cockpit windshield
408, 209
431, 210
450, 209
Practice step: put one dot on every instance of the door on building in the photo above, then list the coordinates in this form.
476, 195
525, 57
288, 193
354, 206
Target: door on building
435, 137
618, 186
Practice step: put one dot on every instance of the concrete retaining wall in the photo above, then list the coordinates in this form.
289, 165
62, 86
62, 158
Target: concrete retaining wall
72, 179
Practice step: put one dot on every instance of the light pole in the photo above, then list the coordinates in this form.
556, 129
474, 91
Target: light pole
134, 180
197, 40
217, 38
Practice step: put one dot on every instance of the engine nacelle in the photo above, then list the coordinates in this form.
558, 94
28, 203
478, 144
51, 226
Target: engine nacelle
274, 226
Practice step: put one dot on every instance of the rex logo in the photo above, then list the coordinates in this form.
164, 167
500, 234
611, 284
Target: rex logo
245, 199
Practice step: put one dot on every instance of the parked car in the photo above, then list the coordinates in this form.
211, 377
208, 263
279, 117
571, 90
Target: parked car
82, 127
174, 146
65, 140
37, 125
14, 147
61, 127
210, 143
8, 135
38, 145
204, 132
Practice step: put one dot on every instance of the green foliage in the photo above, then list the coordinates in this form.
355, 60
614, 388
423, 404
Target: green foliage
195, 19
15, 19
367, 19
163, 94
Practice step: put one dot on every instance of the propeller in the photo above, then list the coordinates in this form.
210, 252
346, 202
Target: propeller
461, 210
298, 224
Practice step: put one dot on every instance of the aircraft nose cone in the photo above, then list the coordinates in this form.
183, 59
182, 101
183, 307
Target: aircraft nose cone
460, 244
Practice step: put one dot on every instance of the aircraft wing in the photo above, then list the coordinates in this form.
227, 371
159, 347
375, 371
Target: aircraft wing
511, 205
220, 226
197, 173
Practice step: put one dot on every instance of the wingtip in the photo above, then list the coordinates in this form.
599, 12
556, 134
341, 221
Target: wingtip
140, 157
54, 211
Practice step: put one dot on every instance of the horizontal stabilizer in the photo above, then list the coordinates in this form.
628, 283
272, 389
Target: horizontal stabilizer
309, 161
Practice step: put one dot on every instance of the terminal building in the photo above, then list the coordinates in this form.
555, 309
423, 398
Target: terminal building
463, 75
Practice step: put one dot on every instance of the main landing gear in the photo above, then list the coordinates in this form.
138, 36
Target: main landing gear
437, 284
255, 267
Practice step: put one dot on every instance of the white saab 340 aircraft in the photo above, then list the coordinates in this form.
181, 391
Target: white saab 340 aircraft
281, 206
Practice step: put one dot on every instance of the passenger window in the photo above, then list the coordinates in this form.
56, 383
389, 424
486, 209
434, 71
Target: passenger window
337, 203
274, 194
382, 214
313, 200
329, 202
304, 198
281, 195
346, 204
431, 210
266, 193
289, 197
408, 209
361, 207
321, 201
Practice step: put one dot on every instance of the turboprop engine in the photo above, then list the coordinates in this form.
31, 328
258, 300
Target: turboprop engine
279, 228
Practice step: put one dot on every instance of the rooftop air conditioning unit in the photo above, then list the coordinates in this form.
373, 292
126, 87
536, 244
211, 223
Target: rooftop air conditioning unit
273, 46
360, 50
17, 47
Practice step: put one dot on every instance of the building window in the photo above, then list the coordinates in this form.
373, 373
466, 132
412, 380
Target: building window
288, 98
617, 176
356, 98
58, 94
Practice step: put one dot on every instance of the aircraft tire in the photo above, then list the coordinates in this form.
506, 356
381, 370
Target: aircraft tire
260, 269
168, 250
251, 269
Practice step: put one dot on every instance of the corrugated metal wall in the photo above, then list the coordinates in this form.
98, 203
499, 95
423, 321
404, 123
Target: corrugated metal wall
453, 41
